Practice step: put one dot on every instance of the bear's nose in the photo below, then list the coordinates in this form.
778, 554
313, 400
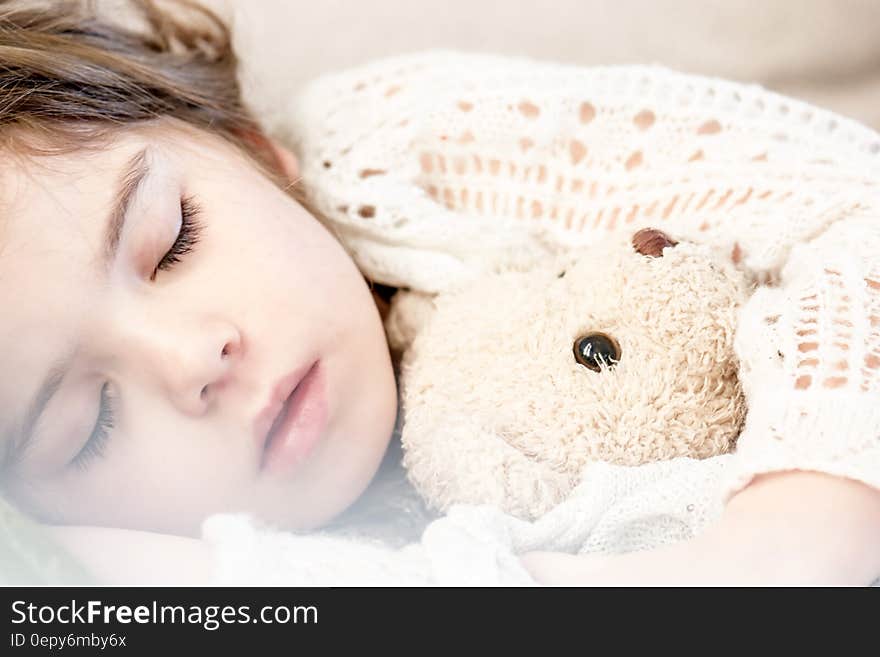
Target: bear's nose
651, 242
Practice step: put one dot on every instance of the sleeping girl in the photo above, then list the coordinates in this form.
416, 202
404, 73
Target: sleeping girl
183, 335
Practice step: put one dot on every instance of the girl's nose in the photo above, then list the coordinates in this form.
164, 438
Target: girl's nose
200, 367
190, 359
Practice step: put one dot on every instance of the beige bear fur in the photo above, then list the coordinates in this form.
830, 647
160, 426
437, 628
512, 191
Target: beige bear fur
496, 409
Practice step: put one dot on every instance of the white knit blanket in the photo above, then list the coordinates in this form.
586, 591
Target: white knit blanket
615, 509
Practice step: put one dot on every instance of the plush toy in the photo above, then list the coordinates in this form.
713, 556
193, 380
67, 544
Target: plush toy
620, 352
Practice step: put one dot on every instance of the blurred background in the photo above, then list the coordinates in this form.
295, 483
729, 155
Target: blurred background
823, 51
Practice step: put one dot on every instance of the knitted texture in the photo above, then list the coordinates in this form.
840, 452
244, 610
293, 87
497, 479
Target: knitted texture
616, 509
435, 167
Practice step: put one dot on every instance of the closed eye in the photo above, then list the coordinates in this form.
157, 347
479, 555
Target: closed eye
96, 444
187, 236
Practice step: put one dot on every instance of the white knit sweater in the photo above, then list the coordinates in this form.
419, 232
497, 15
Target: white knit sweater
434, 167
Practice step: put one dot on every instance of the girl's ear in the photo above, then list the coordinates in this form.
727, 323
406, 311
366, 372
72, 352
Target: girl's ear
285, 160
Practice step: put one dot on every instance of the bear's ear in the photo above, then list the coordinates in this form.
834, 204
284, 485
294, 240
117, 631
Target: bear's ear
651, 242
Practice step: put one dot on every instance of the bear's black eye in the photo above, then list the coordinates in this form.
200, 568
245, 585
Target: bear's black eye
594, 348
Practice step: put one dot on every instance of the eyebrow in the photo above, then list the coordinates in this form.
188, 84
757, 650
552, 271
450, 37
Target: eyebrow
133, 175
135, 172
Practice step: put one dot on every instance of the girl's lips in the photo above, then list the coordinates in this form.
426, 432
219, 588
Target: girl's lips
299, 420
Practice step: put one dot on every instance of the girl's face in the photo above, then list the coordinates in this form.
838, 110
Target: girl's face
160, 301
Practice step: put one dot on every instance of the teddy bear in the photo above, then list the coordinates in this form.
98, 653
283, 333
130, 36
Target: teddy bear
515, 382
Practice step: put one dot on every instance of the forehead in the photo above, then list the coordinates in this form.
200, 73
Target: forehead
51, 211
48, 199
51, 199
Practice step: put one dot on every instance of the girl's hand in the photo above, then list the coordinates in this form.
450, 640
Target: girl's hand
790, 528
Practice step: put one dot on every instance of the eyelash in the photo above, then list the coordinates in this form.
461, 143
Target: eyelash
187, 238
97, 442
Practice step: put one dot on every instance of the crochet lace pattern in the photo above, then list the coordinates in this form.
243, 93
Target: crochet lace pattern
438, 166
